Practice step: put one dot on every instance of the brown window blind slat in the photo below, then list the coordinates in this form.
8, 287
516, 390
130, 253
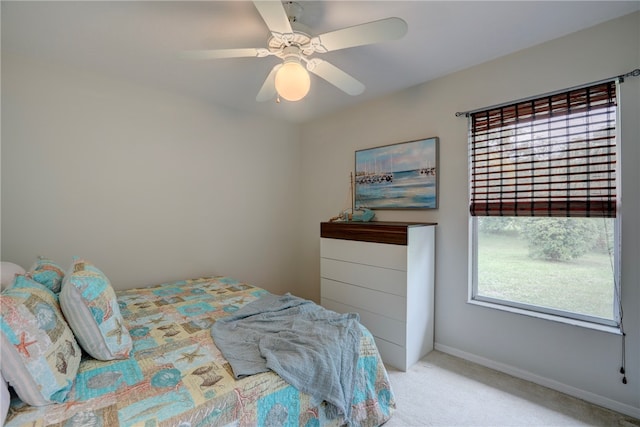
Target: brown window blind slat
551, 156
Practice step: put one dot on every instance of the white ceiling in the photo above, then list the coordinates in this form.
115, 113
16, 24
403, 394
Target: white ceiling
143, 40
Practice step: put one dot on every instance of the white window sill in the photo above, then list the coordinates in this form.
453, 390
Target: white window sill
560, 319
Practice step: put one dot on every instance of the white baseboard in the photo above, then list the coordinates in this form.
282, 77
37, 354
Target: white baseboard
545, 382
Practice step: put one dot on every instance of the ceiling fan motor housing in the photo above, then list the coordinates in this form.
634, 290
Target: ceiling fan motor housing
291, 54
278, 43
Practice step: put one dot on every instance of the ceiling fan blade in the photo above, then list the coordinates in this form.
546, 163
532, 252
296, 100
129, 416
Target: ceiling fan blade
268, 89
335, 76
274, 16
358, 35
226, 53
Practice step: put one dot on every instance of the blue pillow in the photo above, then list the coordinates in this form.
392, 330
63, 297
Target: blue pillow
47, 273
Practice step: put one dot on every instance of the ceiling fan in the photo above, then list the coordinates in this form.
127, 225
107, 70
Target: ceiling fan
290, 42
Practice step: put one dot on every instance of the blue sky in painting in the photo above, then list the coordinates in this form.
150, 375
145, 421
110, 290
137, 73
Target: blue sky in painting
398, 157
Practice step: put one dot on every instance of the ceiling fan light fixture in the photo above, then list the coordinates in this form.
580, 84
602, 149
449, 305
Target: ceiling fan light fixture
292, 80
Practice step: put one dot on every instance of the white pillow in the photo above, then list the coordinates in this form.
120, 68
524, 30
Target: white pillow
9, 271
4, 399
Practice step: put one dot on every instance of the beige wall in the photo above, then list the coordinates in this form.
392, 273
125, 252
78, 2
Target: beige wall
148, 185
580, 361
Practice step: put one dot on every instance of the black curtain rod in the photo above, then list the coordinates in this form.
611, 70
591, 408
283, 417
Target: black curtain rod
634, 73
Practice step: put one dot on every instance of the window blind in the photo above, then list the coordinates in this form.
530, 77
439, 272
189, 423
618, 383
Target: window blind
550, 156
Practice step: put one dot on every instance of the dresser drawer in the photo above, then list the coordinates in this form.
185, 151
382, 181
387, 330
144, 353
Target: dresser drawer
377, 254
367, 276
387, 305
381, 327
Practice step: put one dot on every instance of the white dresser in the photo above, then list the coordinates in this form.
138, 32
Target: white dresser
383, 271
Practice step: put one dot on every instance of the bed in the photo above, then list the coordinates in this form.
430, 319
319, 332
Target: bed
176, 376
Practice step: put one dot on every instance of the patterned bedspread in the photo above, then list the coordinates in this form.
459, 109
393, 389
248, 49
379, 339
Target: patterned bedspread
176, 376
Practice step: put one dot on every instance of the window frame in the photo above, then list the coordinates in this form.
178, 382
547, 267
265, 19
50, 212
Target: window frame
612, 325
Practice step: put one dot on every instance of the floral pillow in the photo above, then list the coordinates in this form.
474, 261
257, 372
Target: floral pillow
47, 273
40, 356
89, 303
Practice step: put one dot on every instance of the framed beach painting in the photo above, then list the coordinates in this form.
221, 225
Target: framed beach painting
398, 176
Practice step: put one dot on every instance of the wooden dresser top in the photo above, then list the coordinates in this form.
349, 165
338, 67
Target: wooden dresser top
374, 231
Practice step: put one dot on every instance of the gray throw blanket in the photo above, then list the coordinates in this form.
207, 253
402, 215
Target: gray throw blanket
313, 349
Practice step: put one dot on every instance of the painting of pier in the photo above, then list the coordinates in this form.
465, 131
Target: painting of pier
398, 176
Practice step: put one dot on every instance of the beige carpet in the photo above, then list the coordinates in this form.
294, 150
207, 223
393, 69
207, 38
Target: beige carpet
443, 390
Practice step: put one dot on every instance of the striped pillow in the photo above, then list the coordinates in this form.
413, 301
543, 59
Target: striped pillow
89, 303
40, 356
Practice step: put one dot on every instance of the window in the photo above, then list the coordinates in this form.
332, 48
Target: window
543, 204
